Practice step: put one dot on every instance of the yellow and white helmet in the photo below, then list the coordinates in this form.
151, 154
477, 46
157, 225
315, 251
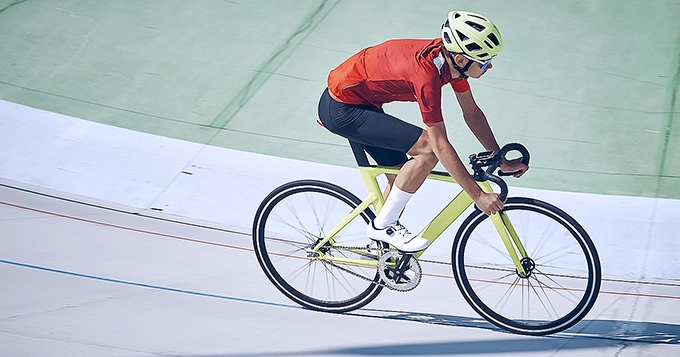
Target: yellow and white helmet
471, 34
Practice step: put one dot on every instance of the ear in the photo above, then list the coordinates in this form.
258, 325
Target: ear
460, 59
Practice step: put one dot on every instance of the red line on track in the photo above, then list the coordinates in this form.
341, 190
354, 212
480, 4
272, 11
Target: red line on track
126, 228
250, 249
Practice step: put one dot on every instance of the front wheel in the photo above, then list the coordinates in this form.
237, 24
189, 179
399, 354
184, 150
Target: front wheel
561, 277
291, 221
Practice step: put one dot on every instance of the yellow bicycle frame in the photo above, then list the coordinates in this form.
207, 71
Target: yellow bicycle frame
434, 229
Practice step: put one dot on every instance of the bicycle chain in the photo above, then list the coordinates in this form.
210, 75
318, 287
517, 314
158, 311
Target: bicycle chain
379, 282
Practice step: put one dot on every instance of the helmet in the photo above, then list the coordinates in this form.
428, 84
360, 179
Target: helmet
471, 34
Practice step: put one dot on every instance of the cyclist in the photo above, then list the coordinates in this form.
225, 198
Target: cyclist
415, 70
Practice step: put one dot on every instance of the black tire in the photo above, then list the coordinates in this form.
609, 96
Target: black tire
291, 219
564, 281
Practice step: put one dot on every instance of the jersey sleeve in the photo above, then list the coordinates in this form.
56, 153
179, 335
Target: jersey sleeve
429, 97
460, 85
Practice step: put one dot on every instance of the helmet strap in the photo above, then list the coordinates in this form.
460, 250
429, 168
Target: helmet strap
462, 70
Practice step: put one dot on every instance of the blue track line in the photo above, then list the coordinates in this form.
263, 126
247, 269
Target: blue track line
164, 288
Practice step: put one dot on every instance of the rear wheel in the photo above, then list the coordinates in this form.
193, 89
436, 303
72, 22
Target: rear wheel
291, 221
562, 270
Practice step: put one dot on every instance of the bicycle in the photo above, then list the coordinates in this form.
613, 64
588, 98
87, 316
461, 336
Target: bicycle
530, 269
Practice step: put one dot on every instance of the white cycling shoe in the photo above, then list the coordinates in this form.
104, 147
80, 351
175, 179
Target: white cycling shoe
398, 236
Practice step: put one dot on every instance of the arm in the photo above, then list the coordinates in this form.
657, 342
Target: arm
488, 203
479, 125
476, 121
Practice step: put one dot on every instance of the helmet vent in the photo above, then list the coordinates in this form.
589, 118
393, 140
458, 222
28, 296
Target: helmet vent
494, 39
475, 26
447, 38
472, 47
461, 36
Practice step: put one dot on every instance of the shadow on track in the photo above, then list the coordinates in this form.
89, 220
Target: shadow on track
585, 335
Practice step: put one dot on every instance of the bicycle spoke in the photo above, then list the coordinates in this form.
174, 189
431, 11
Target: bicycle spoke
561, 288
303, 269
300, 227
315, 213
297, 228
552, 314
299, 246
502, 301
501, 252
555, 253
291, 222
347, 285
545, 236
557, 285
492, 283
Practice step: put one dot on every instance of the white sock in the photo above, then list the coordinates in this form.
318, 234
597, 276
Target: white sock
394, 205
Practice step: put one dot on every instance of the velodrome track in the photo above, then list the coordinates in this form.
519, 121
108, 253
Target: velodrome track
138, 137
159, 262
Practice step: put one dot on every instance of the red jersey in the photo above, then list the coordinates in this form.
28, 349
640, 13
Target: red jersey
396, 70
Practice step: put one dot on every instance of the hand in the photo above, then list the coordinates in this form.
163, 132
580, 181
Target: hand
514, 166
489, 203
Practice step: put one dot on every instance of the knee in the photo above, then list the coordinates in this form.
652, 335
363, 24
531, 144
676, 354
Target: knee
424, 151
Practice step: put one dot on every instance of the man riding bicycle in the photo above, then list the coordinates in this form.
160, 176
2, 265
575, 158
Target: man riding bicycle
415, 70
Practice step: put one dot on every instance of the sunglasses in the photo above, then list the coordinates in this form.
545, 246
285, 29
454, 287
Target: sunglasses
483, 64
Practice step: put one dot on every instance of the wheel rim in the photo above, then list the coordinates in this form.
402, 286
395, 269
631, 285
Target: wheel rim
560, 281
295, 220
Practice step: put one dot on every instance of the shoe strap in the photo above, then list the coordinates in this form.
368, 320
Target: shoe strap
399, 227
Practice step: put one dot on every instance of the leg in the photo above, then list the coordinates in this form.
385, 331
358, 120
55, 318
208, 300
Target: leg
415, 171
385, 227
390, 182
387, 139
411, 176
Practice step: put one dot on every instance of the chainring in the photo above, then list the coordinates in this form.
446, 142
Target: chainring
406, 281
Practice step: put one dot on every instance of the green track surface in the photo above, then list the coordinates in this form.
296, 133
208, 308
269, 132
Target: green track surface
590, 87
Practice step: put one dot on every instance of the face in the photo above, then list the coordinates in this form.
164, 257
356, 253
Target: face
475, 70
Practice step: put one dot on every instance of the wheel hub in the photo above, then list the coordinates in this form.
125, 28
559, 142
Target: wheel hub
321, 251
528, 264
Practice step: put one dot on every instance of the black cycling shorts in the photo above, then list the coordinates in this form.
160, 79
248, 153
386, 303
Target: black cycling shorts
386, 138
